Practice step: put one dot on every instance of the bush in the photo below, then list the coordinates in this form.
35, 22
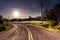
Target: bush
58, 28
2, 29
54, 24
54, 27
3, 24
7, 26
45, 25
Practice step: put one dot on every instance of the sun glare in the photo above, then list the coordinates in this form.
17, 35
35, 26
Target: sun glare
16, 14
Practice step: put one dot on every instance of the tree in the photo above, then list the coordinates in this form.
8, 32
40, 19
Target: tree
46, 14
53, 14
1, 19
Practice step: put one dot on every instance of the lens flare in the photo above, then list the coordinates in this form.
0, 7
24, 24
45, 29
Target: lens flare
16, 14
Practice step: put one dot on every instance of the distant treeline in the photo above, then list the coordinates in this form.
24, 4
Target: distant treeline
28, 19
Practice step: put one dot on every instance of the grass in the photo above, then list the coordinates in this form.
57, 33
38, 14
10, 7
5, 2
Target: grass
47, 25
7, 26
4, 27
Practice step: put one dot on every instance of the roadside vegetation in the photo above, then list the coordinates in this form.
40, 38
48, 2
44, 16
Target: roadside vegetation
3, 24
53, 16
46, 24
51, 19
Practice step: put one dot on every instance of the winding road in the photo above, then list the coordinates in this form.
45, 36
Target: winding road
28, 32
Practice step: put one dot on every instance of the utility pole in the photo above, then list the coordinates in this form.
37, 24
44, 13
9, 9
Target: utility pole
41, 11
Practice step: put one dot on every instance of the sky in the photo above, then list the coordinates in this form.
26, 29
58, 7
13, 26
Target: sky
25, 8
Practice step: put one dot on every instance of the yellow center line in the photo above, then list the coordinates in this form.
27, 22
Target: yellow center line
30, 37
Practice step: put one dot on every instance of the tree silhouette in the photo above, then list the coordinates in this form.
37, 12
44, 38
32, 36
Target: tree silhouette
46, 14
53, 14
1, 19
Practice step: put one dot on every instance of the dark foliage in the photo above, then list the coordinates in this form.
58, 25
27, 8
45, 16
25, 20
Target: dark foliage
1, 19
2, 29
46, 25
58, 28
53, 14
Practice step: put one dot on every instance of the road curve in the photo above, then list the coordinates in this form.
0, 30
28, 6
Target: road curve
41, 34
30, 37
27, 32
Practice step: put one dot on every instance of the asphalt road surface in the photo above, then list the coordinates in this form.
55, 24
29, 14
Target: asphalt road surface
27, 32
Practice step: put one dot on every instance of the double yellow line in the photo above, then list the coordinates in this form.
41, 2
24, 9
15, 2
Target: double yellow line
30, 36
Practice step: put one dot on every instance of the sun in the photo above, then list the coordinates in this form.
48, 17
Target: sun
16, 14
